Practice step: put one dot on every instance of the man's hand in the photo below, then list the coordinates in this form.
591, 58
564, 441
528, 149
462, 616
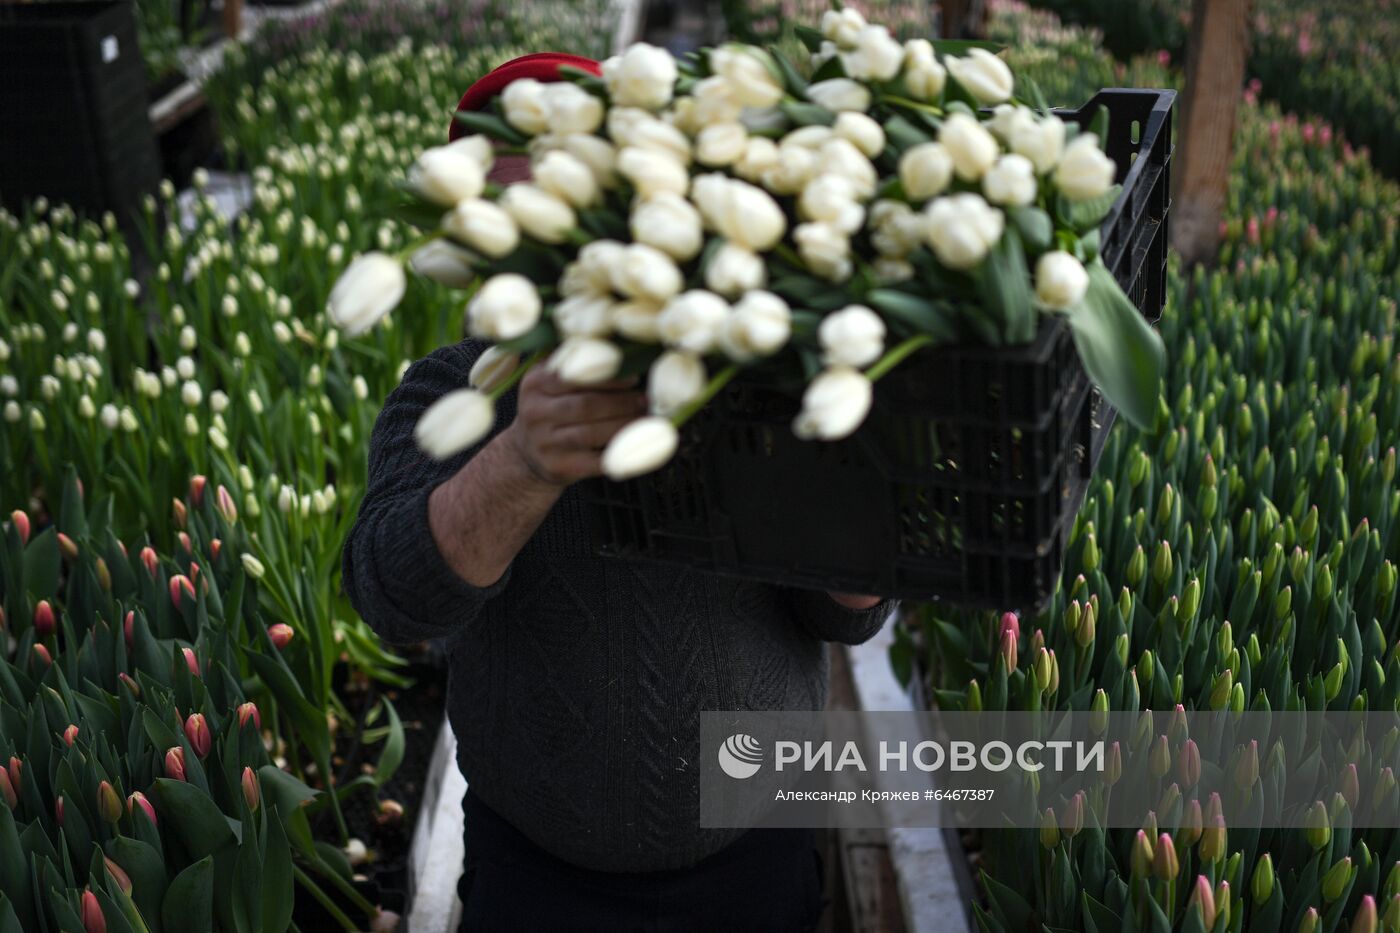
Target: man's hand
855, 600
560, 429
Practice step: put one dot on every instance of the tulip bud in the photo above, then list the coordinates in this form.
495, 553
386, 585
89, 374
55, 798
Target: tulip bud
247, 711
197, 732
223, 500
138, 799
1073, 819
43, 619
1049, 829
70, 735
15, 770
1041, 669
131, 685
251, 795
1008, 650
1192, 824
1159, 760
118, 874
1391, 920
1247, 766
1084, 634
974, 697
191, 661
1098, 712
1203, 900
1162, 564
1336, 880
1188, 765
1164, 859
1141, 860
91, 913
109, 805
58, 809
1385, 787
1170, 798
252, 566
1220, 690
1090, 557
1009, 622
7, 791
150, 560
281, 634
1332, 683
20, 520
1037, 641
175, 763
180, 587
1213, 840
1317, 827
181, 513
1365, 919
67, 547
1137, 566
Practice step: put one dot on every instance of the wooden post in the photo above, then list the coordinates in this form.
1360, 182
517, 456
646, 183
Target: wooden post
233, 18
1215, 61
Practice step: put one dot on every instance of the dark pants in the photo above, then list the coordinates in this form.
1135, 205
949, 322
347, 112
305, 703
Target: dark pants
768, 880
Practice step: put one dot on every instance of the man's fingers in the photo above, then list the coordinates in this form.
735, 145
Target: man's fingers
587, 407
549, 383
592, 436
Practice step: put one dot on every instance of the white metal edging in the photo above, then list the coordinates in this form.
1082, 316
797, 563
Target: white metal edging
435, 860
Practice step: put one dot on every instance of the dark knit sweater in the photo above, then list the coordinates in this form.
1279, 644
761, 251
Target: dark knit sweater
576, 681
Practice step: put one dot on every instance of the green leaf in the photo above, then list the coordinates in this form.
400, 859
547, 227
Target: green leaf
1083, 216
392, 755
143, 865
1034, 226
14, 869
189, 902
919, 314
491, 125
807, 114
200, 825
277, 893
1099, 126
1122, 354
796, 84
811, 38
1004, 283
41, 564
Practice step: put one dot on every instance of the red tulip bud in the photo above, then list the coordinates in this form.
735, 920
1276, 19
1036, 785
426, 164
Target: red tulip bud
129, 684
197, 731
93, 921
127, 624
16, 770
70, 735
109, 805
43, 619
20, 520
191, 661
215, 546
185, 544
180, 585
197, 484
149, 558
1008, 649
118, 874
249, 711
2, 618
67, 547
194, 576
41, 655
58, 810
7, 791
251, 795
223, 501
138, 799
175, 763
181, 516
281, 633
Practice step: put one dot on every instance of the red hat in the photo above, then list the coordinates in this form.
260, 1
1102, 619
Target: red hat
542, 66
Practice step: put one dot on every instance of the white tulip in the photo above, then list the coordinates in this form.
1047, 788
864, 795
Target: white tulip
670, 223
484, 226
476, 147
834, 405
841, 157
369, 288
1060, 280
642, 271
505, 307
190, 393
962, 228
842, 26
640, 130
825, 250
924, 76
713, 100
760, 155
1040, 140
566, 177
595, 152
526, 106
652, 172
808, 137
692, 321
759, 325
721, 144
445, 264
591, 272
110, 417
925, 170
13, 412
643, 76
837, 94
831, 199
640, 447
742, 213
748, 78
860, 131
544, 216
446, 175
453, 423
218, 401
985, 76
360, 388
184, 368
971, 146
1084, 171
733, 270
890, 269
875, 55
853, 336
572, 109
1011, 181
585, 360
9, 386
676, 378
795, 167
1005, 117
583, 315
636, 320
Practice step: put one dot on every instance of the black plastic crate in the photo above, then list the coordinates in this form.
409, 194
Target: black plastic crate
73, 91
964, 480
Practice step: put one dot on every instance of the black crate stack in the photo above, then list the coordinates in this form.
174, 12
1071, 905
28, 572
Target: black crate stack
74, 105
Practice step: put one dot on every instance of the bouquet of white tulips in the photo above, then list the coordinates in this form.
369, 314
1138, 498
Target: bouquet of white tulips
691, 218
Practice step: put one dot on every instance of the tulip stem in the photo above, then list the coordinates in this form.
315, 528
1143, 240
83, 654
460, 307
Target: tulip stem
896, 355
418, 243
712, 388
336, 913
516, 375
912, 104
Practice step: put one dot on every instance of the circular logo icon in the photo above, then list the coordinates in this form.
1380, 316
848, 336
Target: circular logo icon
740, 756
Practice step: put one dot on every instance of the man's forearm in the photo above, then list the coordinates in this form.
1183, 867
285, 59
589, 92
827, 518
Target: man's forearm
484, 514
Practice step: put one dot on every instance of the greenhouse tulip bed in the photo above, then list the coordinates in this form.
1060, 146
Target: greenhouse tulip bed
197, 731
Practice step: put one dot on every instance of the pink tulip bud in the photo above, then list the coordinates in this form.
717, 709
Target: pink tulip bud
149, 558
70, 735
20, 520
197, 731
109, 805
223, 501
93, 921
180, 586
249, 711
58, 810
43, 619
128, 625
281, 634
104, 576
1009, 622
1351, 786
41, 656
118, 874
191, 661
138, 799
197, 484
7, 791
181, 514
1008, 649
215, 546
2, 618
16, 772
185, 544
1203, 897
1188, 765
194, 576
251, 795
129, 684
67, 547
175, 763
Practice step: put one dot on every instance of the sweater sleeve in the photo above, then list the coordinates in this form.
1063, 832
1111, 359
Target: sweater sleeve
828, 620
392, 570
